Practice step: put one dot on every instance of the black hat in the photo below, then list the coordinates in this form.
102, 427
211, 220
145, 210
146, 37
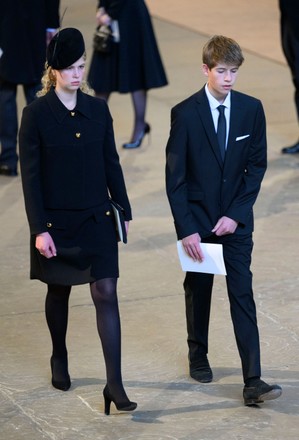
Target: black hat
66, 47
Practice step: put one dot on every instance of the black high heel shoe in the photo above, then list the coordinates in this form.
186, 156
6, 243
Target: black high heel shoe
59, 368
120, 406
138, 142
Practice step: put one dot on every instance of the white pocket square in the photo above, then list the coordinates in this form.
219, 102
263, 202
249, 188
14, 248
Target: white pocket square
239, 138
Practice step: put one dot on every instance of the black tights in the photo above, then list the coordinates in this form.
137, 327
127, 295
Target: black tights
104, 297
57, 306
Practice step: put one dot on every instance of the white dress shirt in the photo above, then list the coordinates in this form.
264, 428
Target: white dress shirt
215, 112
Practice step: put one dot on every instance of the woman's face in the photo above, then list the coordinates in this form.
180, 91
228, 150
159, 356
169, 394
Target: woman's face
70, 78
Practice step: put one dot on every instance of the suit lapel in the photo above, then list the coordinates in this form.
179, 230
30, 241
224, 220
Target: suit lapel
204, 111
236, 115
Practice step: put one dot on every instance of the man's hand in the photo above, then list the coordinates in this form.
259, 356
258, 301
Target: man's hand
192, 247
45, 245
225, 226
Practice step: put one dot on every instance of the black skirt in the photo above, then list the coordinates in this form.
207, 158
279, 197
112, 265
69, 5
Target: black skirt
87, 247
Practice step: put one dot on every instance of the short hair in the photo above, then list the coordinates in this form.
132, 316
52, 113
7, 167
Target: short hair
220, 49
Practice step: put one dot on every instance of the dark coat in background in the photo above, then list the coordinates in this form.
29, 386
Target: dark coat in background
290, 14
135, 62
23, 25
289, 28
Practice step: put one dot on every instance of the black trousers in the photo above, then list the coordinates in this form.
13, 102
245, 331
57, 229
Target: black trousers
198, 293
9, 119
290, 47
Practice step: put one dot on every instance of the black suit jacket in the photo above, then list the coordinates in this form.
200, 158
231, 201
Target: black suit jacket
200, 187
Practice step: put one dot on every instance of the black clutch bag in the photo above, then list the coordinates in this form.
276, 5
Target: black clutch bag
103, 39
118, 212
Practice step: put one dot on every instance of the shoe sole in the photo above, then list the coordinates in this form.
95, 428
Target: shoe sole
207, 380
271, 395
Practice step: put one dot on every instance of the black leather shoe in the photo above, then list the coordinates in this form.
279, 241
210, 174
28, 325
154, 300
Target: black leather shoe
200, 370
293, 149
259, 392
7, 171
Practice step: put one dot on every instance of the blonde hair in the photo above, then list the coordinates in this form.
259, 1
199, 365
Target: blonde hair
49, 80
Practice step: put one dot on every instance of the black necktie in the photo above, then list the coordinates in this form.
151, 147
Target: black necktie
221, 130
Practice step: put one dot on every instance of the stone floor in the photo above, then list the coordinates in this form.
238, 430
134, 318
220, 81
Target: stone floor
171, 406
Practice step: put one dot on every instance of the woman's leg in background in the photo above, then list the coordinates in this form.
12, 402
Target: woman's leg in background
139, 99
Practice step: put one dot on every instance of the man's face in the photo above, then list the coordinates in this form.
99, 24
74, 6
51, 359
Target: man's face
221, 79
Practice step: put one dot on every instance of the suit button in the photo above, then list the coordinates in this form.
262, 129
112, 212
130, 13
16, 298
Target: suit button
49, 225
108, 213
78, 135
72, 113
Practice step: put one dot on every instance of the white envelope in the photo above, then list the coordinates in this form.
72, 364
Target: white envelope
213, 262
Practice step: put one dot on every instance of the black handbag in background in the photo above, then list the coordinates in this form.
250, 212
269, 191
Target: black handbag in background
103, 39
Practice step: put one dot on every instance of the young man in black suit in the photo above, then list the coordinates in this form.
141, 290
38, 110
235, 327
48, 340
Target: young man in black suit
216, 160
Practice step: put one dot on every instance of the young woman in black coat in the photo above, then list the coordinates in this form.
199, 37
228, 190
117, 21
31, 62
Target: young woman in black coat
70, 167
134, 64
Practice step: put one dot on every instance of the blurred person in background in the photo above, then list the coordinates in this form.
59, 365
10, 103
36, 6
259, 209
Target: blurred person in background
289, 26
25, 29
134, 64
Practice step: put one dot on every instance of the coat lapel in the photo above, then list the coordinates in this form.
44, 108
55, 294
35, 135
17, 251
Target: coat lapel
236, 115
204, 111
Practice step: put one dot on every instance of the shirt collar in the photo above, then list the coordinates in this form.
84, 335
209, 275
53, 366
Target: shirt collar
213, 101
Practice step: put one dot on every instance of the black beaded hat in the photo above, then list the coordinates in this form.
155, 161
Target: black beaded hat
66, 47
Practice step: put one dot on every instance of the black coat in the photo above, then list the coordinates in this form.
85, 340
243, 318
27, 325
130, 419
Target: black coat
69, 166
135, 62
68, 162
290, 15
200, 187
23, 25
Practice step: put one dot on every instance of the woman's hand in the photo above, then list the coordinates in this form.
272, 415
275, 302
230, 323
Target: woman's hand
45, 245
127, 226
102, 17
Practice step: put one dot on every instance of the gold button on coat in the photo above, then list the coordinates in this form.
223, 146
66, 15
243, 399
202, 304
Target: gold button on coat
72, 113
108, 213
49, 225
78, 135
